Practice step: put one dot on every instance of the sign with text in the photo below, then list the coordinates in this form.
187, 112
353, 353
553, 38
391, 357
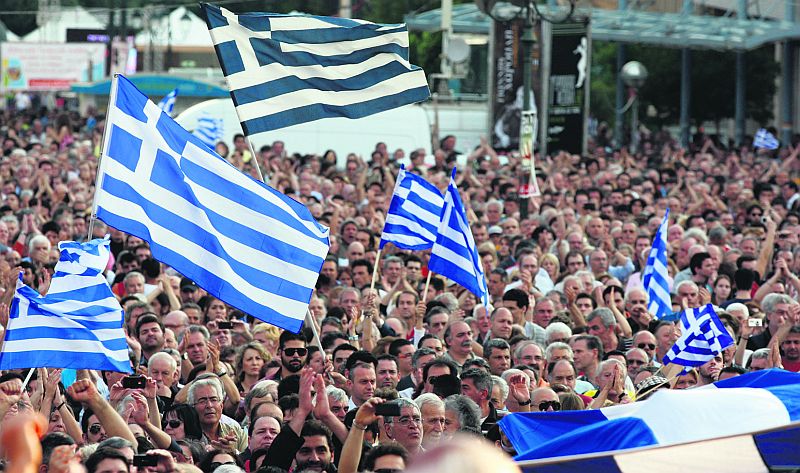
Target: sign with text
49, 66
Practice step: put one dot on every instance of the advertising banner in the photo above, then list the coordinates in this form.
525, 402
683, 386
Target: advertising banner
49, 66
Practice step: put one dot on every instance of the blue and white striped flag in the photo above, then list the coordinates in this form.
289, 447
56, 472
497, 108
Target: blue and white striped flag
766, 140
239, 239
655, 277
288, 69
702, 337
77, 325
454, 253
167, 104
209, 130
414, 212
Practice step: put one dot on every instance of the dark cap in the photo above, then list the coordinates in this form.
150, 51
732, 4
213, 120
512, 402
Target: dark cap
188, 285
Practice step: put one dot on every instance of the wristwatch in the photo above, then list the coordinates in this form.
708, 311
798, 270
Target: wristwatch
224, 373
525, 403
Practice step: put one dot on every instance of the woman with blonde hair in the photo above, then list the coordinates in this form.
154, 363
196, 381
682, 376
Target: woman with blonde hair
549, 262
267, 335
249, 361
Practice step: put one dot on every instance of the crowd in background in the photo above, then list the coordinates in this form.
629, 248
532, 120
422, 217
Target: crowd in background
398, 371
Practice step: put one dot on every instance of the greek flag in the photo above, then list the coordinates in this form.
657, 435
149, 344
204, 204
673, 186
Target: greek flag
167, 104
655, 277
209, 130
702, 337
288, 69
413, 217
237, 238
766, 140
454, 253
77, 325
751, 403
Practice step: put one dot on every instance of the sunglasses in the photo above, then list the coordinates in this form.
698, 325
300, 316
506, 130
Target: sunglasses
216, 465
387, 470
295, 351
650, 346
173, 423
544, 405
95, 429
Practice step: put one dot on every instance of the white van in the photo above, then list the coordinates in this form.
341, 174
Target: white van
406, 127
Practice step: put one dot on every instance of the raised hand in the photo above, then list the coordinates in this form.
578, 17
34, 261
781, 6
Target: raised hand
83, 390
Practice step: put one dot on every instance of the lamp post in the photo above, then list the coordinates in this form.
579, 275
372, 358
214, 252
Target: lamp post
634, 74
528, 10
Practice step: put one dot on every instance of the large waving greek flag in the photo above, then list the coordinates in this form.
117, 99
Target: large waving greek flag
749, 403
288, 69
242, 241
77, 325
702, 337
655, 277
454, 253
414, 212
167, 104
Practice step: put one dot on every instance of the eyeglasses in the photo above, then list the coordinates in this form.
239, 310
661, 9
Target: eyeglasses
95, 429
295, 351
544, 405
636, 362
173, 423
216, 465
207, 400
649, 346
416, 420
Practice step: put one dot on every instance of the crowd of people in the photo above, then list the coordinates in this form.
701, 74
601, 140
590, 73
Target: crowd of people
397, 372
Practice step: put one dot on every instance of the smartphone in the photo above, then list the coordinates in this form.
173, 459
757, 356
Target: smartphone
224, 325
755, 322
145, 460
390, 409
133, 382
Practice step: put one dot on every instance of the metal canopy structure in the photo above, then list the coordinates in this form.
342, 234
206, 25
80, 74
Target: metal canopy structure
674, 30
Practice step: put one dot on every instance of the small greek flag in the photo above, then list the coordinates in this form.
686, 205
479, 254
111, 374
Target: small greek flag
283, 70
655, 277
77, 325
766, 140
167, 104
454, 254
414, 212
703, 336
209, 130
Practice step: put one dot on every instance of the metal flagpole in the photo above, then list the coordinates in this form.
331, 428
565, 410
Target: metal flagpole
98, 179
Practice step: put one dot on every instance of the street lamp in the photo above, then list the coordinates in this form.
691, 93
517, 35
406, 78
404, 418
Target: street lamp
634, 74
504, 11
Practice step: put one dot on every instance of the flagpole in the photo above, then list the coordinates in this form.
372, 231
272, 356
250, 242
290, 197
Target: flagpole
28, 378
112, 96
427, 283
375, 270
255, 160
310, 322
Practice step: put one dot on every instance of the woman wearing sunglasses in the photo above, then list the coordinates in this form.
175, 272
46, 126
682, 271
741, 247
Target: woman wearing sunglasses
180, 422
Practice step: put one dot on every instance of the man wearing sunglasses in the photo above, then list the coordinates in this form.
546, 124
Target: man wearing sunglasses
545, 400
293, 352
